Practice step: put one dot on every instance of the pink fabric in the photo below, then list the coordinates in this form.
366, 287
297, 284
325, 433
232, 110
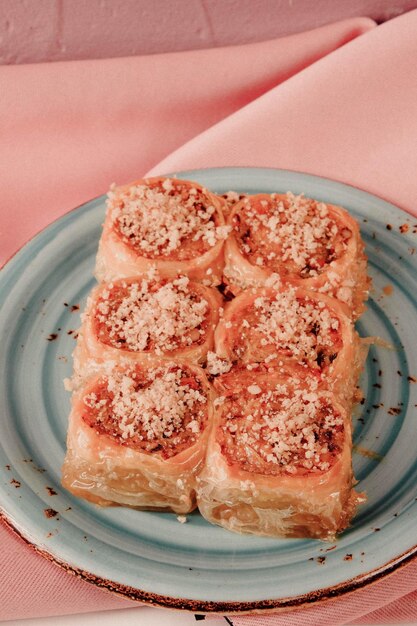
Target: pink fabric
67, 129
389, 601
305, 102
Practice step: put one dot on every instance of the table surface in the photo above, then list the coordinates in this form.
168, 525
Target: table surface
141, 616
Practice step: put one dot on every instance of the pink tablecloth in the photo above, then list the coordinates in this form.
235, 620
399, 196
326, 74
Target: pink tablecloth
340, 101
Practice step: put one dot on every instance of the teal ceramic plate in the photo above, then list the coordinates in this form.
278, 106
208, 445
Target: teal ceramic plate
151, 556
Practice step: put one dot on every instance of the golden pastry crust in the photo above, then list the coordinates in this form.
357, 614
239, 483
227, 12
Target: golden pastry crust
296, 326
279, 458
174, 226
304, 242
138, 436
143, 319
236, 398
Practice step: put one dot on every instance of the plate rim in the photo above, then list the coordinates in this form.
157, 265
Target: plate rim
213, 606
219, 607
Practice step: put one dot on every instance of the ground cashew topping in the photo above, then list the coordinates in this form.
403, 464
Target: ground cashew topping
216, 366
296, 325
294, 232
282, 429
284, 324
157, 409
142, 316
156, 220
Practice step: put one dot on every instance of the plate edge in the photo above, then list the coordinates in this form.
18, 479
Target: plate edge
237, 607
212, 607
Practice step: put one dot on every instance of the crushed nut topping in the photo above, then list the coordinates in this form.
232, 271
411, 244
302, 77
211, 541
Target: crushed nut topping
168, 219
285, 428
293, 234
151, 316
161, 409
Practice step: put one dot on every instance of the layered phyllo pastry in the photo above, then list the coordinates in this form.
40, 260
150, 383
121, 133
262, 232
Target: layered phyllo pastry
138, 436
279, 457
305, 242
217, 363
293, 325
143, 319
173, 225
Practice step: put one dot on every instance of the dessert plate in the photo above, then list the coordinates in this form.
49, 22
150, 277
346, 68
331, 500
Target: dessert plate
151, 556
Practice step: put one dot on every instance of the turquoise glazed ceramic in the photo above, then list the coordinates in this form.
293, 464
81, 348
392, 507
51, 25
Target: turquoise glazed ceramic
151, 556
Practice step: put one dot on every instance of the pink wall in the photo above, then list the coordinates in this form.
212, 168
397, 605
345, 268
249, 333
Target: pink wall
54, 30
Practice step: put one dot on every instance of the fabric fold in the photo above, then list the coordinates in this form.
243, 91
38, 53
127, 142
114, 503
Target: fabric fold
386, 601
69, 129
350, 117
